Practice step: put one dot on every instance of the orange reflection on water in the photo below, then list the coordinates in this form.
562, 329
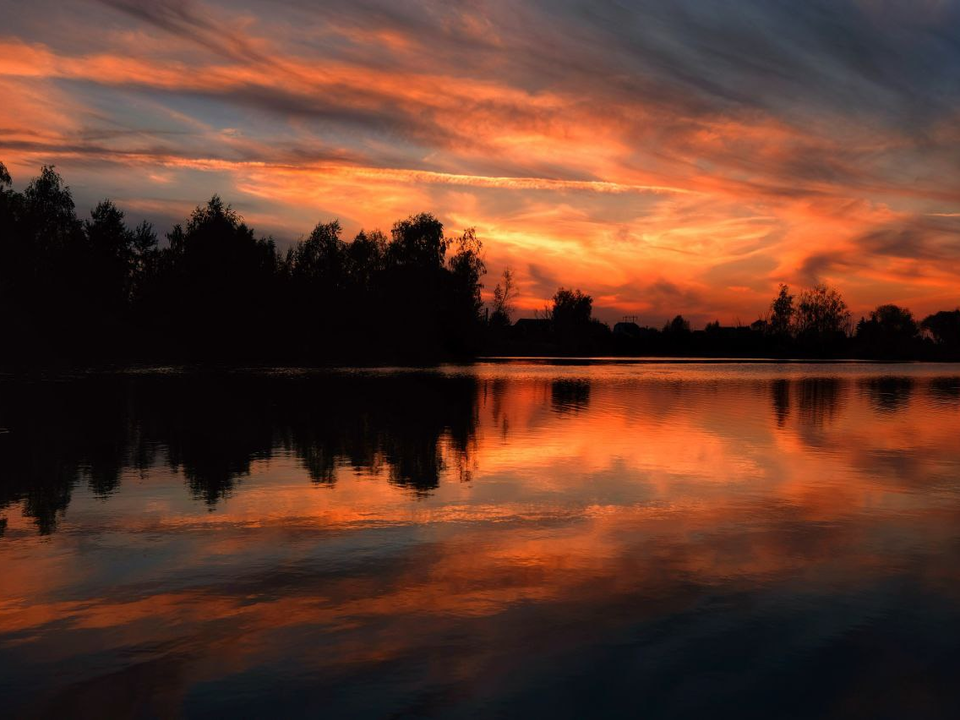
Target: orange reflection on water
580, 508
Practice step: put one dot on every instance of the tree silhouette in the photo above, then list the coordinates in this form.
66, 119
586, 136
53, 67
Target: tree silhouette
318, 278
503, 296
678, 327
213, 290
418, 242
944, 328
366, 258
215, 282
11, 254
891, 331
821, 317
571, 308
321, 259
464, 303
43, 254
571, 314
112, 269
782, 312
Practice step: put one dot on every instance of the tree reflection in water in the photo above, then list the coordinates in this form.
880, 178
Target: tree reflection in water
212, 427
780, 541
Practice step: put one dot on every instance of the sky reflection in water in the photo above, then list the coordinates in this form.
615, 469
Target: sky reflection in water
653, 540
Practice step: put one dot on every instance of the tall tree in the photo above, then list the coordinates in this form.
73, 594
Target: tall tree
821, 314
366, 258
891, 331
571, 319
944, 328
782, 312
110, 260
321, 258
10, 210
463, 302
503, 296
419, 241
218, 281
679, 326
47, 262
571, 309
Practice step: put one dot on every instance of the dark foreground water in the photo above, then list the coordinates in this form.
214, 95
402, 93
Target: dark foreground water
749, 541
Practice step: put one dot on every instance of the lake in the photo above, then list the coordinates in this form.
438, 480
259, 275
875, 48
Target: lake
508, 539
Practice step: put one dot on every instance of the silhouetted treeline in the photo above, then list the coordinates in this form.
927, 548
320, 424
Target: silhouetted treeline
96, 289
814, 324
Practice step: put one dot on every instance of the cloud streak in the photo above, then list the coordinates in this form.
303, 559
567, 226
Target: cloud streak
665, 156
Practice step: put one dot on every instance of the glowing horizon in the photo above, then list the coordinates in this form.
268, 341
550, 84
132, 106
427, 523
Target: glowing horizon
666, 157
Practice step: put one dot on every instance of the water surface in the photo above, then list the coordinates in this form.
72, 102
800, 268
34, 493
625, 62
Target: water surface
504, 539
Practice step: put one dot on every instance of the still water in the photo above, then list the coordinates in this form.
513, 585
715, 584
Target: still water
503, 539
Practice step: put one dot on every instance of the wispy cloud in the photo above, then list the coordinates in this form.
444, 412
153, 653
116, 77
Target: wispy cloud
680, 156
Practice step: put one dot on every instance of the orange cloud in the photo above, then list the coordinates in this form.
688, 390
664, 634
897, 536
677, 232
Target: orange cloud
647, 201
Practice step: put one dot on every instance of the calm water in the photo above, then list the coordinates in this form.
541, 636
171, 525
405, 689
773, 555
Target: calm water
500, 540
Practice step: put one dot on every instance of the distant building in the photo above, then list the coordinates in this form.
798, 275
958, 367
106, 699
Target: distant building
730, 332
627, 328
531, 326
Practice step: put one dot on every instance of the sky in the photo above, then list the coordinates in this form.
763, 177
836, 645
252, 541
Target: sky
665, 156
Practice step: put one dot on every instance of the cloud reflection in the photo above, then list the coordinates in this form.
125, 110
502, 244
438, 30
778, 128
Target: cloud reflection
454, 539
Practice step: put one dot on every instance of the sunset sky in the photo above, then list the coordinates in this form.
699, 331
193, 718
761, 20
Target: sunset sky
663, 155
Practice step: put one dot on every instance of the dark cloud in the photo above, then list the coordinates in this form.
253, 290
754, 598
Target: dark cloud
544, 281
186, 19
887, 63
665, 293
816, 266
883, 61
837, 114
880, 61
929, 238
159, 154
661, 293
680, 62
751, 270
